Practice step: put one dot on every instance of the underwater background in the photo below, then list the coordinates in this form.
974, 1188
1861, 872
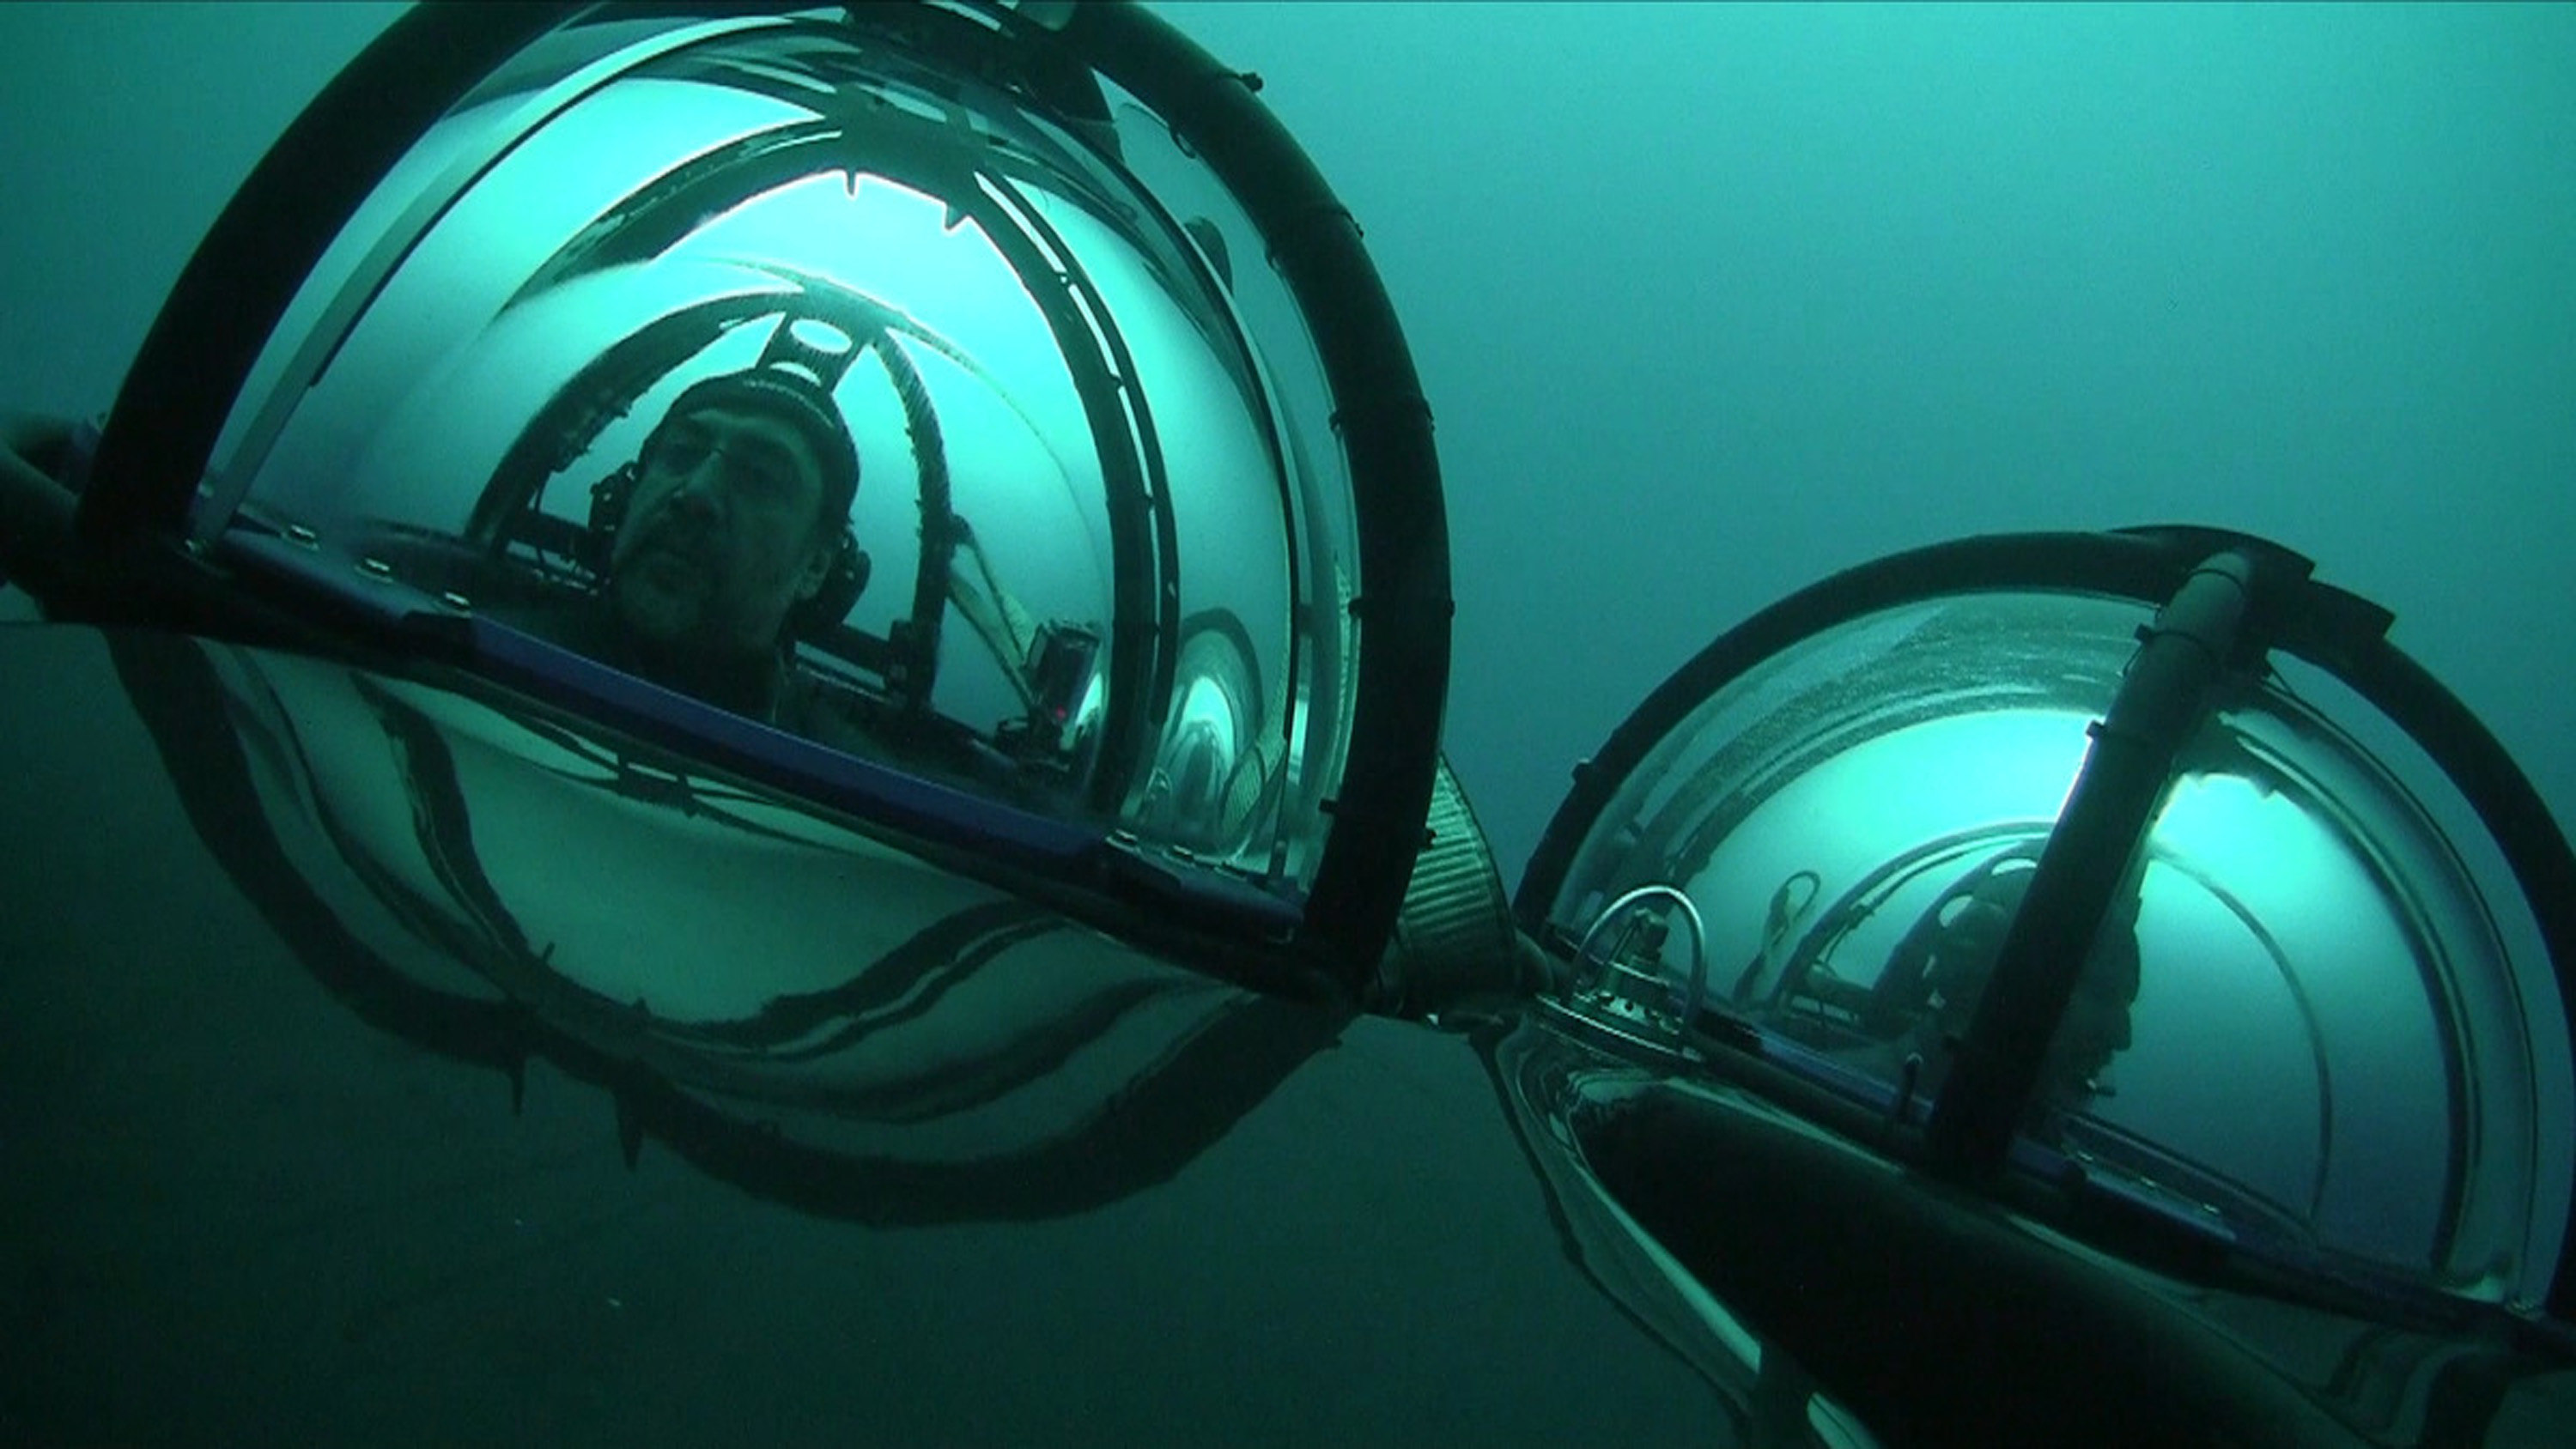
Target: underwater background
1711, 302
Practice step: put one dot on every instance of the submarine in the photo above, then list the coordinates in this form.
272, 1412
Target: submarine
735, 737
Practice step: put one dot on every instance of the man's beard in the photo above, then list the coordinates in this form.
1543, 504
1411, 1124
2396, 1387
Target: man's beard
667, 588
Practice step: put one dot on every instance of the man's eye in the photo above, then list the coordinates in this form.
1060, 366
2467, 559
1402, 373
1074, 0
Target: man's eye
680, 453
759, 481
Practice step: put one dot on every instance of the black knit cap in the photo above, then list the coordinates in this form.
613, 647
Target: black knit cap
796, 399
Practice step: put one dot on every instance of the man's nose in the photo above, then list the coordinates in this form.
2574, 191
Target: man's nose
701, 490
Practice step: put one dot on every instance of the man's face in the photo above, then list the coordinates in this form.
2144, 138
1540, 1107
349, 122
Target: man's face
724, 534
2096, 1024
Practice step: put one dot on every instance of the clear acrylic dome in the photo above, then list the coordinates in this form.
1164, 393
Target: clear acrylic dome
1109, 556
2316, 1016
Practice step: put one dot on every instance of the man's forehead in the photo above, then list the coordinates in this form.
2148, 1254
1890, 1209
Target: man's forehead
749, 427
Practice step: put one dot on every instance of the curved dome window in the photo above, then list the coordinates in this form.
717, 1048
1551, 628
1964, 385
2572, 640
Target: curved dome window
1099, 559
2303, 1001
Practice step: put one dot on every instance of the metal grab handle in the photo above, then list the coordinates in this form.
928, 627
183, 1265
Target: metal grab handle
1698, 989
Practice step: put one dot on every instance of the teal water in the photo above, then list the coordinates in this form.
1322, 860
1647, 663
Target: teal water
1712, 301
